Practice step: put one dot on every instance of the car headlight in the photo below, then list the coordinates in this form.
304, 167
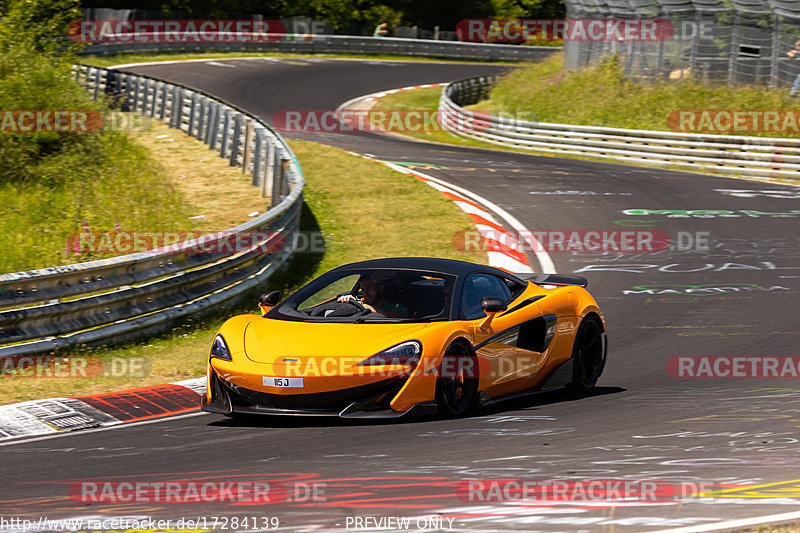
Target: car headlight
406, 353
220, 350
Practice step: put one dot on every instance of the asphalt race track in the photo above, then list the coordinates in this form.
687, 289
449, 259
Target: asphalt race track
733, 440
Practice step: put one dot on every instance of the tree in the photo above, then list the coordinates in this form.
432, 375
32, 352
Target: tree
41, 25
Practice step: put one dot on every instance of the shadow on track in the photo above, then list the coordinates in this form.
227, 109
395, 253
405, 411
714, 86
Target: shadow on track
527, 403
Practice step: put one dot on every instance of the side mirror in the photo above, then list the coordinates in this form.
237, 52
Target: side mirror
268, 300
492, 306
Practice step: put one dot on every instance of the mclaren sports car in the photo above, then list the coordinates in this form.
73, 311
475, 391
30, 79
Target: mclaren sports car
387, 337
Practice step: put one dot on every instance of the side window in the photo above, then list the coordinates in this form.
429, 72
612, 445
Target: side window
478, 286
515, 288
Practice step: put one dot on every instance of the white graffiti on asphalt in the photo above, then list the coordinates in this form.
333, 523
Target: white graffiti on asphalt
768, 193
641, 268
709, 213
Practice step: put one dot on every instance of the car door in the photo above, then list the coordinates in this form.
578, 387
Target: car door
512, 345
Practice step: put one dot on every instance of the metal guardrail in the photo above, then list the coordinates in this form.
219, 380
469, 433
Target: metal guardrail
732, 154
45, 309
340, 44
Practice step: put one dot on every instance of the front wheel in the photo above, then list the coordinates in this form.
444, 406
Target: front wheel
588, 354
457, 386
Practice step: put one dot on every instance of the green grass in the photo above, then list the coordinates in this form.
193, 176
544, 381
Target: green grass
55, 183
364, 210
425, 99
601, 96
117, 59
118, 185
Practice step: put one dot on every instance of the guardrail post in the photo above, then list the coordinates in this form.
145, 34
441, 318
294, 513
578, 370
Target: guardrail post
192, 110
286, 169
96, 83
226, 126
269, 170
246, 151
279, 179
213, 125
258, 157
137, 94
236, 139
146, 96
176, 111
163, 109
154, 101
201, 117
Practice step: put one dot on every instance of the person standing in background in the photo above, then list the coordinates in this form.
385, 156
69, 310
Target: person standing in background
793, 53
381, 30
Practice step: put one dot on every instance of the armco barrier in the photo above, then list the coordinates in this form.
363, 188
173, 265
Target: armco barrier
125, 296
732, 154
340, 44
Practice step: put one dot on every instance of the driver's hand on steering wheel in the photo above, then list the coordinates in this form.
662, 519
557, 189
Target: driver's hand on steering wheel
349, 298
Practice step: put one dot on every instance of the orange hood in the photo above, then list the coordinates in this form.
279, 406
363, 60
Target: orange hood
272, 341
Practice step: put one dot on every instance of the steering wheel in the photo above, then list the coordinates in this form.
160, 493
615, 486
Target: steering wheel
358, 304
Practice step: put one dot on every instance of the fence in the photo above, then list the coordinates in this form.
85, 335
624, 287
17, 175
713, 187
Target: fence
125, 296
754, 156
732, 41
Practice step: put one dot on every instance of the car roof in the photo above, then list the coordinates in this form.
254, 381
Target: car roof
429, 264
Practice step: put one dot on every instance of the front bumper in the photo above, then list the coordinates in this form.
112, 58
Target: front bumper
366, 401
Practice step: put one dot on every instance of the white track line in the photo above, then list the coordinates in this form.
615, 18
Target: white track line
545, 262
734, 524
508, 263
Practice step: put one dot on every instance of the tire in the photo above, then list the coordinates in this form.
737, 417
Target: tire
457, 386
588, 354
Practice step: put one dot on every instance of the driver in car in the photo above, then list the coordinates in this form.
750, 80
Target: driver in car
372, 288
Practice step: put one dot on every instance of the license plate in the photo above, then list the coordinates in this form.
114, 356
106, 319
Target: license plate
281, 382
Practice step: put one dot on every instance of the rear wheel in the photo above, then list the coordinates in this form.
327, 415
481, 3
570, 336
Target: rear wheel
588, 354
457, 386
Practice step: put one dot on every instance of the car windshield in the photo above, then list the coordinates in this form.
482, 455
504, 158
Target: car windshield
371, 295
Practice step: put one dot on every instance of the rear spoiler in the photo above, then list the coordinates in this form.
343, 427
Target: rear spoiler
555, 279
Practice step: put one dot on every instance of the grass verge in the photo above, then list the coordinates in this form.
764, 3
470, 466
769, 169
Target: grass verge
602, 96
166, 182
364, 210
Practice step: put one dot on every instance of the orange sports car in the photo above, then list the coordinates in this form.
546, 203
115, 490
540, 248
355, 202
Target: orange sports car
386, 337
